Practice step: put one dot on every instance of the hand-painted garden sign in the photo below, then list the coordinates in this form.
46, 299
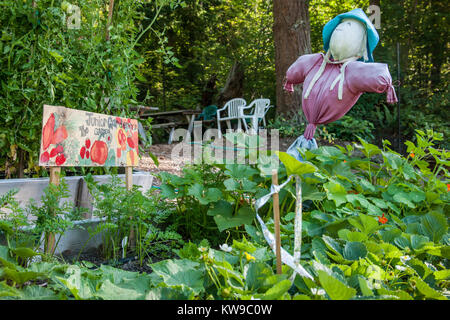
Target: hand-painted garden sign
80, 138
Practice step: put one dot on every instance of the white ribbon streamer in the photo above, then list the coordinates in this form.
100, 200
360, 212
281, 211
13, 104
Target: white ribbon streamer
286, 258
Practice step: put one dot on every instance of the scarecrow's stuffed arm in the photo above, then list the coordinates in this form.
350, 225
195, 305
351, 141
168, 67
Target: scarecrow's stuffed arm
371, 77
297, 72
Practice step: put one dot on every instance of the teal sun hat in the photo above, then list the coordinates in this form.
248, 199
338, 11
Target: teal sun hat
358, 14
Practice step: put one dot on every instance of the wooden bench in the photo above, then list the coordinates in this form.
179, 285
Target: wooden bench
189, 115
171, 125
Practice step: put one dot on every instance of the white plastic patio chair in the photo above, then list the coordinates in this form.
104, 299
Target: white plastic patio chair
232, 112
259, 112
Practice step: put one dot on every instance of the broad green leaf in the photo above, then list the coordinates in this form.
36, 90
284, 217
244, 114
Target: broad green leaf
20, 277
24, 252
221, 207
204, 196
426, 290
364, 286
369, 149
82, 288
417, 196
391, 234
168, 191
244, 245
379, 203
5, 255
8, 264
8, 291
375, 272
310, 192
336, 192
169, 293
390, 251
335, 289
403, 197
358, 199
418, 241
367, 186
180, 273
227, 271
364, 223
231, 184
402, 242
393, 160
226, 220
434, 226
354, 251
255, 275
293, 166
277, 291
332, 244
348, 235
442, 274
248, 186
240, 171
34, 292
111, 291
400, 294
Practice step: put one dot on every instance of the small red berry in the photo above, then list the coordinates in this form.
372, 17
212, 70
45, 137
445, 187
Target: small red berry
88, 143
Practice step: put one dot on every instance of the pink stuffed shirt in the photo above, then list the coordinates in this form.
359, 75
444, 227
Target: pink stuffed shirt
323, 105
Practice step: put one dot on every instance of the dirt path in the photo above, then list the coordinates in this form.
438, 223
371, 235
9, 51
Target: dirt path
167, 163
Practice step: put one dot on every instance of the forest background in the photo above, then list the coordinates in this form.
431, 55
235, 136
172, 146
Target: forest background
174, 54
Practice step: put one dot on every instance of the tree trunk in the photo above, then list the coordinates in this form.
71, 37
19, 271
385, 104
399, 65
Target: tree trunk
233, 87
209, 91
291, 31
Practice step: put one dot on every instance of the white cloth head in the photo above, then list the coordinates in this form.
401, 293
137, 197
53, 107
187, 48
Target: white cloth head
349, 39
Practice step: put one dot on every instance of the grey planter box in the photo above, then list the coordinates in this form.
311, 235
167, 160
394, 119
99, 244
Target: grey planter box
73, 239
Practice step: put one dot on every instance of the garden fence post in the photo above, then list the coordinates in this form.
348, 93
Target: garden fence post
55, 173
276, 218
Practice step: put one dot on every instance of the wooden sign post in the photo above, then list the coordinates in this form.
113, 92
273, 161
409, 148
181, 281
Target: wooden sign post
129, 186
50, 241
276, 219
86, 139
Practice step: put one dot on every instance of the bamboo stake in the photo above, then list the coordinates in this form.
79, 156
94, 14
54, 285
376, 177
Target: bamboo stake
298, 222
55, 173
276, 218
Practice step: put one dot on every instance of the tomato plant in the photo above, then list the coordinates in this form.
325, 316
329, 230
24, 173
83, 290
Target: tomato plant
47, 57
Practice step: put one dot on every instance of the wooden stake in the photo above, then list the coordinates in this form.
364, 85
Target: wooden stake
110, 14
55, 173
129, 186
276, 219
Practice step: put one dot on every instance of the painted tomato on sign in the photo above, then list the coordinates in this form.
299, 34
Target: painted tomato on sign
73, 137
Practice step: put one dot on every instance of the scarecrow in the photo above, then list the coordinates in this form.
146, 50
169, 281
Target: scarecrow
334, 81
